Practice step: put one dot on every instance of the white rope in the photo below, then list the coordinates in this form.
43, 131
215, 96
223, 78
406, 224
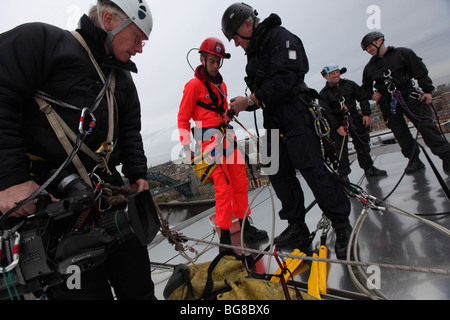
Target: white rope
344, 262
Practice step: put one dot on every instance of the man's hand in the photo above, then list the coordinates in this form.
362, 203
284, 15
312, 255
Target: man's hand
239, 104
427, 98
366, 120
10, 196
140, 185
230, 114
376, 96
341, 131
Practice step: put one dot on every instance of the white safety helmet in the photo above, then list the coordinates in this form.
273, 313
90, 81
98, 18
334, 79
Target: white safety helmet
137, 11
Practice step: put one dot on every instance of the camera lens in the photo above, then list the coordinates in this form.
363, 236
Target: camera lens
116, 224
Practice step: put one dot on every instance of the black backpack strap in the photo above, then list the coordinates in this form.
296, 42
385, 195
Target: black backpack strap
212, 266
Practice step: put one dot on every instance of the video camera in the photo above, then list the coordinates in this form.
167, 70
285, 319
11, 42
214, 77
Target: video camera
49, 245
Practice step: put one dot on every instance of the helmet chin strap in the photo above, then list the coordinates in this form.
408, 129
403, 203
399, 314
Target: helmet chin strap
111, 34
378, 47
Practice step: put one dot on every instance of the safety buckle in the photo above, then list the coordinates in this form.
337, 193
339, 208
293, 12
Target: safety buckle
415, 95
103, 153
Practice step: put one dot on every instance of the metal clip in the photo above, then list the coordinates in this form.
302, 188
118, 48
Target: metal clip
415, 95
104, 152
82, 120
15, 253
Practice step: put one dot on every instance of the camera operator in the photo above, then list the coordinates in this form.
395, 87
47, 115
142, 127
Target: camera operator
46, 73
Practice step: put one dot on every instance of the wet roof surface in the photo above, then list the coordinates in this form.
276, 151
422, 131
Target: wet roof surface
387, 239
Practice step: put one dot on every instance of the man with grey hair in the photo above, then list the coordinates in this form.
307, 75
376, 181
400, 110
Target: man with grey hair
68, 103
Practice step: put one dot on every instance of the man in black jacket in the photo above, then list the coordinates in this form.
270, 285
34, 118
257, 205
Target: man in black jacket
338, 98
388, 80
277, 64
44, 67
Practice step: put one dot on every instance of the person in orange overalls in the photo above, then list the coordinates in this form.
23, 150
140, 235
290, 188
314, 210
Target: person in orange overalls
205, 101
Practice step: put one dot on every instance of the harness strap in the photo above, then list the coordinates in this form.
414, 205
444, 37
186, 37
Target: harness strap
60, 128
215, 105
109, 94
63, 131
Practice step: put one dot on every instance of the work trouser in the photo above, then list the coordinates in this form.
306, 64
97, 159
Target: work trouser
429, 131
229, 177
360, 140
300, 149
231, 186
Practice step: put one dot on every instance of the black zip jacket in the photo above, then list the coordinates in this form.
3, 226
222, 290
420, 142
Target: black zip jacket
282, 56
330, 97
404, 66
39, 56
276, 64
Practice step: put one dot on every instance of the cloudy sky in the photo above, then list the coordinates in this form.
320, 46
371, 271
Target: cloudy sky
331, 31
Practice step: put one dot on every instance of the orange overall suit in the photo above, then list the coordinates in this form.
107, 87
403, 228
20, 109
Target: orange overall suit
205, 102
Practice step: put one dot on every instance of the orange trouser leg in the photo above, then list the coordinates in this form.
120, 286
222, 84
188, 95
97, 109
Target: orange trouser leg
230, 183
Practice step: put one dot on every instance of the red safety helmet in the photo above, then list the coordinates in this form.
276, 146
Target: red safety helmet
215, 47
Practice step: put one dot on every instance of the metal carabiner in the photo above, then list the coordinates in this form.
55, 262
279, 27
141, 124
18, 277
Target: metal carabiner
82, 120
387, 74
15, 253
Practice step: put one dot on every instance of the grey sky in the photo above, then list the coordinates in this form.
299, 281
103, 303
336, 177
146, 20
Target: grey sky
331, 31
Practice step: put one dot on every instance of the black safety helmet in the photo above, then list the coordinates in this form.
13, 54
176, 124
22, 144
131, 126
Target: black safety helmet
370, 37
234, 17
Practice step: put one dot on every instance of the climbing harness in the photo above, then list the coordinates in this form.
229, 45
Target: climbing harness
64, 133
397, 98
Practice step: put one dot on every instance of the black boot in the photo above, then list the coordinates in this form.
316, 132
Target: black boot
225, 238
251, 232
342, 239
414, 165
446, 162
296, 234
373, 171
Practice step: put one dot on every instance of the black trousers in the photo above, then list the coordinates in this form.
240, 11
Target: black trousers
126, 270
361, 140
429, 131
300, 149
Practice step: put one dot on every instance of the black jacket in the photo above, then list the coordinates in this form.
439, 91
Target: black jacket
404, 66
39, 56
330, 97
276, 64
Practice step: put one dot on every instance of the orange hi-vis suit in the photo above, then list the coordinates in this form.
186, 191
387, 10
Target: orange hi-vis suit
205, 103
